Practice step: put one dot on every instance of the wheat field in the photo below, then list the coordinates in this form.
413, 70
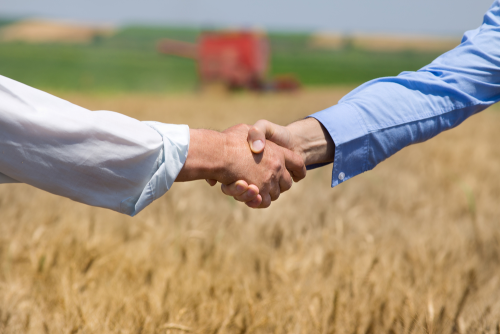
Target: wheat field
410, 247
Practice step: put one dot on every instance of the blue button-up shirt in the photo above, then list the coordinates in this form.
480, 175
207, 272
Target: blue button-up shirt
382, 116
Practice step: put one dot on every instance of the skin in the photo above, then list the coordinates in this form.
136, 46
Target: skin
307, 138
226, 157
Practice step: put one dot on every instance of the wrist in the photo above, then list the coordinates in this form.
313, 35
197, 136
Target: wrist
312, 141
205, 159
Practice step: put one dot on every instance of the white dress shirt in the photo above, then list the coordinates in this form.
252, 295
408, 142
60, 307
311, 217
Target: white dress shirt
100, 158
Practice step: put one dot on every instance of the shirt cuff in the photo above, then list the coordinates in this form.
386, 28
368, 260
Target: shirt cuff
346, 127
175, 149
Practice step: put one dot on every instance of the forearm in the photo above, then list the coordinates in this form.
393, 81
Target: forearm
388, 115
204, 159
383, 116
100, 158
312, 141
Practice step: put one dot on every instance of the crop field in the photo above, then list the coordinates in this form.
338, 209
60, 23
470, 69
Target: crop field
128, 61
410, 247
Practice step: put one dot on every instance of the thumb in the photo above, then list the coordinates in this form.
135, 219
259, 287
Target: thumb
257, 138
263, 130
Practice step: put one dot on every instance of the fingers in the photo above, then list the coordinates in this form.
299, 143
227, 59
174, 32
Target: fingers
211, 182
273, 172
295, 165
275, 192
241, 191
285, 182
235, 189
248, 195
266, 201
263, 130
255, 198
255, 203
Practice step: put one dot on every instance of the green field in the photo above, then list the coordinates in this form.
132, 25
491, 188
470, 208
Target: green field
128, 61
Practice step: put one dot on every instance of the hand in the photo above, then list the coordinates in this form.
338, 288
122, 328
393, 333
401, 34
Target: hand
257, 134
280, 161
308, 138
278, 134
226, 157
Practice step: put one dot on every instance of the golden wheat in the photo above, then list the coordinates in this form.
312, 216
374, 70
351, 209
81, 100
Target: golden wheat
411, 247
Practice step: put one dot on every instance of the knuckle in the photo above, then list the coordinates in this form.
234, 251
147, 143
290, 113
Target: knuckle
269, 179
276, 165
266, 201
242, 126
253, 131
303, 172
300, 175
261, 122
275, 192
246, 197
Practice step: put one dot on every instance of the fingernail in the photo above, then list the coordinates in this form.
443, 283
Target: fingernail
239, 187
257, 145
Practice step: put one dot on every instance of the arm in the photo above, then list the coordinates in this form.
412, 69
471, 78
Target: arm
99, 158
113, 161
383, 116
226, 157
307, 137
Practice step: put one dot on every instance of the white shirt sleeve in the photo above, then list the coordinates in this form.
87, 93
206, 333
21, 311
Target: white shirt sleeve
100, 158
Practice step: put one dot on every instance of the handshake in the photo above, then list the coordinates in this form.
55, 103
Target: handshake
255, 164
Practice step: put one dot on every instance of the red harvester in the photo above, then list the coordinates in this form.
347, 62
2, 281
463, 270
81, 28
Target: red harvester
238, 60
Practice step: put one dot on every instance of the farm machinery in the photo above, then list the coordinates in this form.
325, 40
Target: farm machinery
235, 60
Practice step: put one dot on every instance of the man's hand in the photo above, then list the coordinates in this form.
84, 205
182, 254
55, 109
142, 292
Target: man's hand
273, 171
226, 157
307, 138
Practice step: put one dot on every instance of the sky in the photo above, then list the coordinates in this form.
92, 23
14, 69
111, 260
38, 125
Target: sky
421, 17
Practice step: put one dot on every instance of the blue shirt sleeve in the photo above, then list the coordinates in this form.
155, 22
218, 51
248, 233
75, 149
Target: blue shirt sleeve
382, 116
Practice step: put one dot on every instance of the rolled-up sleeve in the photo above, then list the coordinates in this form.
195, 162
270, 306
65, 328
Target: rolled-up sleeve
100, 158
382, 116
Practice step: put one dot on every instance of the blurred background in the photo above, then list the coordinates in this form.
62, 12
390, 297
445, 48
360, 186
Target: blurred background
412, 246
112, 46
